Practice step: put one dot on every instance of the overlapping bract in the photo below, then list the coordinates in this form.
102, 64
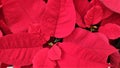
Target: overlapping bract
19, 49
76, 51
42, 19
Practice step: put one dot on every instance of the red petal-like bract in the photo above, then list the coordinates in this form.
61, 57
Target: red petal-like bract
93, 16
59, 18
81, 49
79, 21
3, 27
54, 53
41, 60
114, 5
19, 14
114, 18
90, 10
111, 30
84, 50
106, 12
19, 49
34, 28
81, 7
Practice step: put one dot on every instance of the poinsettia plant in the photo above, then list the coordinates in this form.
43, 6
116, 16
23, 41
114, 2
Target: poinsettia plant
59, 33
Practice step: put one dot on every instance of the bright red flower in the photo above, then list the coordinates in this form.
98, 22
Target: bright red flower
98, 14
19, 49
81, 49
82, 7
56, 18
16, 16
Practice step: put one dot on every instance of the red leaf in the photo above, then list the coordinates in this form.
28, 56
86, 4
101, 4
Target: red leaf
85, 49
19, 49
106, 12
54, 53
114, 5
34, 28
112, 31
77, 51
19, 14
3, 27
81, 36
79, 20
114, 18
81, 7
93, 16
59, 18
83, 57
41, 60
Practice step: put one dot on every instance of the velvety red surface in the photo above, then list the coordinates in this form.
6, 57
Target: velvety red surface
84, 30
76, 51
114, 5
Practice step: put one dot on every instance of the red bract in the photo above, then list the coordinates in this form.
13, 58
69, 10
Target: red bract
96, 15
82, 7
55, 53
19, 49
114, 19
111, 26
41, 59
81, 49
58, 19
21, 13
114, 5
52, 40
112, 31
93, 16
3, 27
106, 12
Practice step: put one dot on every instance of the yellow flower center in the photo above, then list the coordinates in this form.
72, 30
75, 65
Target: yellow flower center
93, 28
